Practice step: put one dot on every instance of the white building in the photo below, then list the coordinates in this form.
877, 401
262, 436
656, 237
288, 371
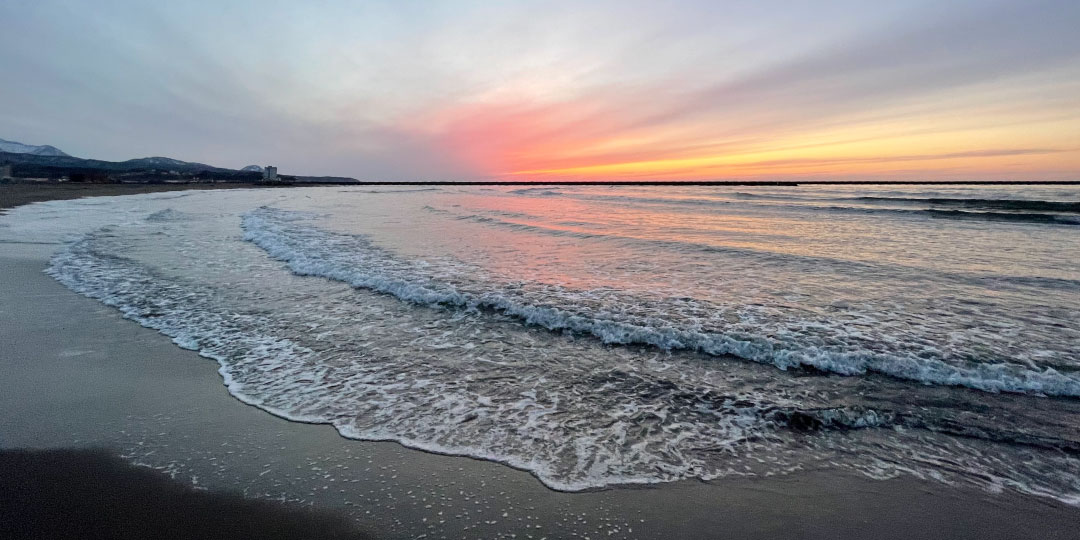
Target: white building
270, 174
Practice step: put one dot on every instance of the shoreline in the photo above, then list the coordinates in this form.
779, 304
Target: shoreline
93, 494
13, 194
17, 194
78, 375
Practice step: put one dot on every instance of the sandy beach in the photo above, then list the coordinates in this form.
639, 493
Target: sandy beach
506, 270
17, 194
76, 375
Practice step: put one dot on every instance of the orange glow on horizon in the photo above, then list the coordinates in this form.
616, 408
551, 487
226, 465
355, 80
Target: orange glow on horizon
590, 139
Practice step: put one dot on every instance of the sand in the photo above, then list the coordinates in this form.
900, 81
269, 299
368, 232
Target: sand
12, 195
89, 494
75, 374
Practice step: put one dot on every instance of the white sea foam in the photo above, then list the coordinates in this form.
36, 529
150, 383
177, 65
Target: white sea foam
289, 380
468, 378
311, 252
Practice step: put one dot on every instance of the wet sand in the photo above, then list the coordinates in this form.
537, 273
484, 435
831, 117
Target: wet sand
77, 375
90, 494
12, 195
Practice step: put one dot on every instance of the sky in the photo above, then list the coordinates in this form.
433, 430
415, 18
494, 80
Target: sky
462, 90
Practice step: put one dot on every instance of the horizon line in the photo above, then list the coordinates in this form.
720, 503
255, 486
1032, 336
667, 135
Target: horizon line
712, 182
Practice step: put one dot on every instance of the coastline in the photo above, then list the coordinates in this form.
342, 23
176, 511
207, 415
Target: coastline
18, 194
77, 375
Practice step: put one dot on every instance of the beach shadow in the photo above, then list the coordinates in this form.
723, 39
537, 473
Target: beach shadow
90, 494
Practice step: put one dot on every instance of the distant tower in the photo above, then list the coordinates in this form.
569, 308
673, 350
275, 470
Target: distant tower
5, 171
270, 174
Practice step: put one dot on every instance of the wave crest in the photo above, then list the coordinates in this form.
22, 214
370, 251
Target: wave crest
354, 260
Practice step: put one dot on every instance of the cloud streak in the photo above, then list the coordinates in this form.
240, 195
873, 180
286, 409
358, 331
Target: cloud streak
465, 90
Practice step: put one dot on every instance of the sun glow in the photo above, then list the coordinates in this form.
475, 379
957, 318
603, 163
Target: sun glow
586, 142
522, 90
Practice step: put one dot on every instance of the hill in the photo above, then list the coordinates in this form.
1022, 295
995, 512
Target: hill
49, 163
20, 148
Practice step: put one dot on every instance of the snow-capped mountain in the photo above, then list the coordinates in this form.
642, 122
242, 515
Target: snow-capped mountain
20, 148
158, 162
49, 162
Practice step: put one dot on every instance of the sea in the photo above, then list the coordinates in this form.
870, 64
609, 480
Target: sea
603, 336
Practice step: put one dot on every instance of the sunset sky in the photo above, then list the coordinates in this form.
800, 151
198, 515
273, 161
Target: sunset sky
454, 90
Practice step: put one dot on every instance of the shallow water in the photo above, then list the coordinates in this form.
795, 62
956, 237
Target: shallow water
603, 336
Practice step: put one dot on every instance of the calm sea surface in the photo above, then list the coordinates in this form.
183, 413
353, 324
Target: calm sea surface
599, 336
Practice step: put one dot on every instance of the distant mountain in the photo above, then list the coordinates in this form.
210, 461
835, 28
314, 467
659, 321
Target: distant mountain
20, 148
49, 162
150, 163
164, 163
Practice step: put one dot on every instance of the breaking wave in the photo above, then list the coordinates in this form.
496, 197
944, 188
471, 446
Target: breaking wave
982, 204
283, 376
971, 203
453, 370
1018, 217
1008, 210
354, 260
494, 218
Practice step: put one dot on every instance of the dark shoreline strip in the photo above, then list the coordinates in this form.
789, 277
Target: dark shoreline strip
89, 494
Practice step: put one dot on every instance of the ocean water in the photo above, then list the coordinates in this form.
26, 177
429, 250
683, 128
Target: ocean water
601, 336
